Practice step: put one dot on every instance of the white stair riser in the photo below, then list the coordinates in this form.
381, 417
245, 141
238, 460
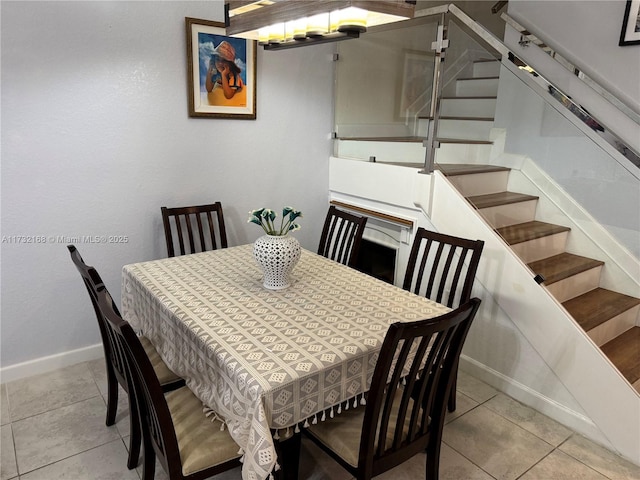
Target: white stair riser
510, 214
486, 69
462, 129
480, 183
468, 107
482, 87
615, 326
575, 285
539, 248
463, 153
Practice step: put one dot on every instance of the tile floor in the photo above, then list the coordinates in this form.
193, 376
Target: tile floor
52, 427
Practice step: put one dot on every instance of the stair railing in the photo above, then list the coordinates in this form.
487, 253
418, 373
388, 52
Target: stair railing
555, 94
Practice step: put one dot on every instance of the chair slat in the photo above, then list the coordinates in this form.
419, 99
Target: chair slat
189, 222
341, 236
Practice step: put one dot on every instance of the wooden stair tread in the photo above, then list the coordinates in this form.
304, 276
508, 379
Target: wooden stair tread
479, 97
564, 265
597, 306
386, 139
465, 141
500, 198
475, 119
624, 353
523, 232
479, 78
453, 169
414, 139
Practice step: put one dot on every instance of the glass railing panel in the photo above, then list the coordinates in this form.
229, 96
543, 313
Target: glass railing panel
559, 146
604, 184
383, 89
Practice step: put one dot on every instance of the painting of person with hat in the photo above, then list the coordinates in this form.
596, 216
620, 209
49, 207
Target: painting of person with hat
223, 80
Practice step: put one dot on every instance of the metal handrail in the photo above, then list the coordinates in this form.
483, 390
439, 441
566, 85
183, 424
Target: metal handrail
563, 101
529, 38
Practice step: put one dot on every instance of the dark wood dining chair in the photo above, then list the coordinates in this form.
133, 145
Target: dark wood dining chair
175, 428
407, 401
197, 228
116, 369
442, 268
341, 236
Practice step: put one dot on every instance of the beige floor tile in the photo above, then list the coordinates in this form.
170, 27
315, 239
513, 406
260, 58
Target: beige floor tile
532, 421
317, 465
99, 372
4, 406
122, 413
454, 466
106, 462
463, 405
58, 434
474, 388
493, 443
41, 393
8, 467
560, 466
412, 469
604, 461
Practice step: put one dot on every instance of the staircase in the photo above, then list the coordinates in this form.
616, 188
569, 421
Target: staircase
609, 318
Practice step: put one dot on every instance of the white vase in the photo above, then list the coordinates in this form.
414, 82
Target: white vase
277, 256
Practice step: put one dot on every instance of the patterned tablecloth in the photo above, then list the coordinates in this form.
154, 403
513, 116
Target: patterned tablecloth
266, 360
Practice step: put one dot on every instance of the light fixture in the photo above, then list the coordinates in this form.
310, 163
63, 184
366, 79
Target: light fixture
278, 24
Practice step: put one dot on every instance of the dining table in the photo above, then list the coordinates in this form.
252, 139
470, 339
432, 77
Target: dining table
267, 363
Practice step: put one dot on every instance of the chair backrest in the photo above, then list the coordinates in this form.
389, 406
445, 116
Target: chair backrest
442, 267
148, 391
113, 352
202, 225
341, 236
410, 386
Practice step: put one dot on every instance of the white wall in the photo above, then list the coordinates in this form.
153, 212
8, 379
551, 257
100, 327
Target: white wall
96, 138
587, 32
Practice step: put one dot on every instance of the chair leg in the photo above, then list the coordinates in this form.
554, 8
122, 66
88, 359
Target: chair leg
149, 463
288, 452
433, 462
451, 404
112, 396
135, 438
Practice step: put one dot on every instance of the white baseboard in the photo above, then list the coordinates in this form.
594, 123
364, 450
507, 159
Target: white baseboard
560, 413
51, 362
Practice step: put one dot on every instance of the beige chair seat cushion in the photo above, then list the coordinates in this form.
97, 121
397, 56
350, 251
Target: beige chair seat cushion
202, 444
343, 432
162, 371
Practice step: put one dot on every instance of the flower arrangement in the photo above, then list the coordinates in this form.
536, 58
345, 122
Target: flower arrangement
265, 217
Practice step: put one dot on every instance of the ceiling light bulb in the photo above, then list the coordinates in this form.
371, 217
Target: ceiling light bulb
276, 33
300, 28
317, 25
353, 19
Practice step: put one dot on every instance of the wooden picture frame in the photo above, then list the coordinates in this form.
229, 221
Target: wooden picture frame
630, 34
221, 72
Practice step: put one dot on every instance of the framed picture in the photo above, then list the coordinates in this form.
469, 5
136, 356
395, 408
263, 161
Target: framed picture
416, 83
630, 34
221, 72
